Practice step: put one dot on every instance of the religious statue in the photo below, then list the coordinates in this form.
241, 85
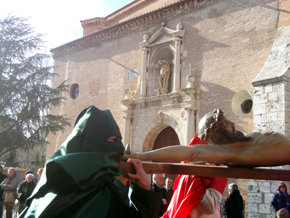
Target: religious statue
226, 146
163, 77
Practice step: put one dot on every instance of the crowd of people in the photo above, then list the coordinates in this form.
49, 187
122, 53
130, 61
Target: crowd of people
83, 179
13, 192
165, 189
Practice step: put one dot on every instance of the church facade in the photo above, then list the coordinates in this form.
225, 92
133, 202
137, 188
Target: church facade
159, 66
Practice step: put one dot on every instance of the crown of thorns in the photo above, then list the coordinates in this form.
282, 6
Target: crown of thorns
210, 124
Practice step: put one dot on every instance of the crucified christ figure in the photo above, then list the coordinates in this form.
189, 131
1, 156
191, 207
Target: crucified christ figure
226, 145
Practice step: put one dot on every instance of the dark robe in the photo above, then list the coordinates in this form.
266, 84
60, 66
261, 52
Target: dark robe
281, 200
2, 177
169, 193
163, 193
26, 189
79, 180
234, 205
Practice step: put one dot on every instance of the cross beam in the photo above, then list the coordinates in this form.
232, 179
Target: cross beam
215, 171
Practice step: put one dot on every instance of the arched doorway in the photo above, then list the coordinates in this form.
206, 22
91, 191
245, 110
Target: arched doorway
166, 137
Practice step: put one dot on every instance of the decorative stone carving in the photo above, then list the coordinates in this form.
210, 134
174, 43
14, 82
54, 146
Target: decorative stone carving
160, 117
165, 44
179, 26
130, 94
146, 37
163, 24
190, 81
163, 77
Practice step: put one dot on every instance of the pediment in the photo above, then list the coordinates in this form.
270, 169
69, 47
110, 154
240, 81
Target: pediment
163, 35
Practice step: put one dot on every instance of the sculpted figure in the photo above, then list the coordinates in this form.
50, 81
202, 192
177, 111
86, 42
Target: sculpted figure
164, 76
131, 93
226, 146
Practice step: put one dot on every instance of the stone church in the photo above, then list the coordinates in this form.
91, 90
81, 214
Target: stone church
160, 65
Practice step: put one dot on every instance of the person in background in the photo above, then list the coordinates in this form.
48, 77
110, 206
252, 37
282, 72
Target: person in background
2, 177
234, 205
9, 185
169, 190
283, 213
281, 199
25, 190
157, 186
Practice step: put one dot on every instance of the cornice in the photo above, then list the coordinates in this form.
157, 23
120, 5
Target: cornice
115, 31
116, 16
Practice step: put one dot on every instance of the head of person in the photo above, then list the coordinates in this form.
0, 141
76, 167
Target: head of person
283, 213
282, 187
11, 173
158, 179
29, 177
28, 172
232, 187
99, 132
214, 128
168, 183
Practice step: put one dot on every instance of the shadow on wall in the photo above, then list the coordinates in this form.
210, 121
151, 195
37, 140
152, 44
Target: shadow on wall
215, 96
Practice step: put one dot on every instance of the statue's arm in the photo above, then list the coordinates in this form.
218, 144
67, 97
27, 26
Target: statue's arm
177, 153
270, 149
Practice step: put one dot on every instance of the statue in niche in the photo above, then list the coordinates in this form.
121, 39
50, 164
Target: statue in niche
164, 67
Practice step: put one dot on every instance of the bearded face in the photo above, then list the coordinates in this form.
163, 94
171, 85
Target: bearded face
214, 128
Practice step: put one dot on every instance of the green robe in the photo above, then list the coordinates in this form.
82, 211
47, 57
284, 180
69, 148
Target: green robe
79, 180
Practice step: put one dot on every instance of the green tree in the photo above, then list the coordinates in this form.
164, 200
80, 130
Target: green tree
26, 96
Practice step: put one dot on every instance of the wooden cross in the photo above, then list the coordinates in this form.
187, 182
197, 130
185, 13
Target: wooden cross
215, 171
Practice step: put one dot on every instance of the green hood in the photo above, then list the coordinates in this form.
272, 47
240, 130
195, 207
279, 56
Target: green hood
80, 176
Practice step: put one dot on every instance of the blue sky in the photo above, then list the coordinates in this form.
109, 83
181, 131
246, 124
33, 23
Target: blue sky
59, 20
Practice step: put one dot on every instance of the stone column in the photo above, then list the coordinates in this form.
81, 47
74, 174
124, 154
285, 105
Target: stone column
176, 72
190, 130
144, 72
127, 130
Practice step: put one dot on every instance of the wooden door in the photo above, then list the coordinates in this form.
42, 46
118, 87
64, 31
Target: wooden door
166, 137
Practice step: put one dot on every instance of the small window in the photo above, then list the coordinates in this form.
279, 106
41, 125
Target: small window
74, 90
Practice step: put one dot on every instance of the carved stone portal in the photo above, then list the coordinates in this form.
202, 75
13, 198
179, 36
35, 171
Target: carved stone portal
161, 61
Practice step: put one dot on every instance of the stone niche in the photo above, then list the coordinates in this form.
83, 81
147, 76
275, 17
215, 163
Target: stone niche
160, 100
165, 45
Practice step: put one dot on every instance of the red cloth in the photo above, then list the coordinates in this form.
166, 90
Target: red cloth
189, 190
196, 140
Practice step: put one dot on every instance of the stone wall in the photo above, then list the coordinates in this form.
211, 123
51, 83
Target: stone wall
271, 113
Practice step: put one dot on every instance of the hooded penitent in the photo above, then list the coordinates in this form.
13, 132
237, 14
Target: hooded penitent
80, 177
